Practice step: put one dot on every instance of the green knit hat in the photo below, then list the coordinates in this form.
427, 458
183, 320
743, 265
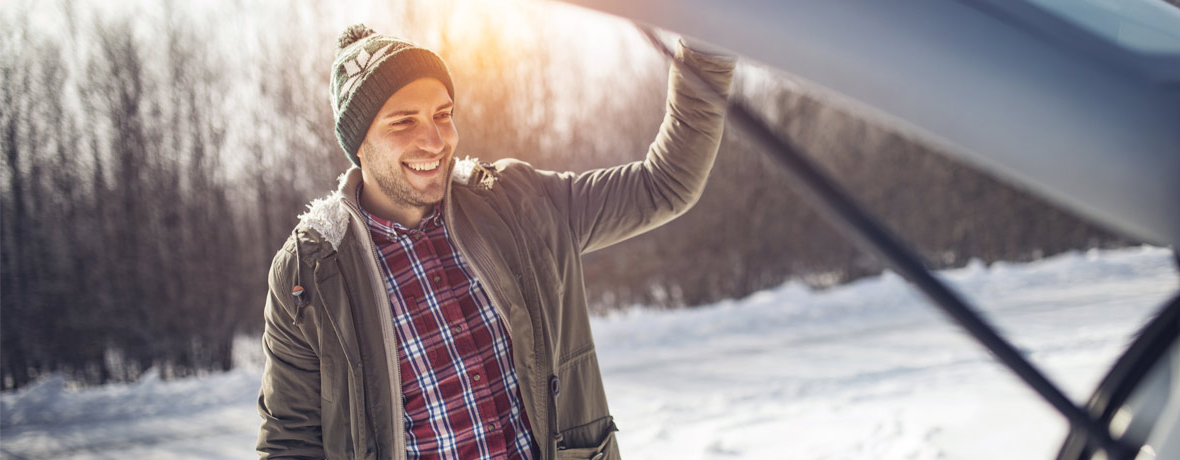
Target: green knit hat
368, 69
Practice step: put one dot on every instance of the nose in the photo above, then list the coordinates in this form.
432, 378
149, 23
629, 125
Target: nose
431, 139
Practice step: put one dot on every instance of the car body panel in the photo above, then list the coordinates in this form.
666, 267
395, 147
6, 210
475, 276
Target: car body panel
1039, 101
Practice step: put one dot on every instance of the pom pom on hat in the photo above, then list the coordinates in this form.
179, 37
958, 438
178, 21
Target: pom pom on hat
352, 34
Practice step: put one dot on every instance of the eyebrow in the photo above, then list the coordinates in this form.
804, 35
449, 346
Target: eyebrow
400, 113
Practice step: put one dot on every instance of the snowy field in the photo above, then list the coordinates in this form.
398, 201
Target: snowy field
864, 371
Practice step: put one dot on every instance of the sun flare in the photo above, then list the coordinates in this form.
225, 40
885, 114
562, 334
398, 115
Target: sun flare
512, 22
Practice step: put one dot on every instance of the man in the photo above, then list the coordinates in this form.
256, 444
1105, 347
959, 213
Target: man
433, 308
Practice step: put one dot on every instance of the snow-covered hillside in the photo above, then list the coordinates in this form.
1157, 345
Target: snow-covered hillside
863, 371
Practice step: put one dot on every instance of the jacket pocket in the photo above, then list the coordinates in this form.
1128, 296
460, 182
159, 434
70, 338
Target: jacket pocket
577, 438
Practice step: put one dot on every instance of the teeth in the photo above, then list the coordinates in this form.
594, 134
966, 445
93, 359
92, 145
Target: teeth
427, 166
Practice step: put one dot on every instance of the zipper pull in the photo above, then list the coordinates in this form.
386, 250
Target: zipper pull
300, 303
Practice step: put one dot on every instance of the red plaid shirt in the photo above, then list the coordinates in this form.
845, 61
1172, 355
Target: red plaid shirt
459, 385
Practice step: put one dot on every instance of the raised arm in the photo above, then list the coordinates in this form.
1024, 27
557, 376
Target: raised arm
609, 205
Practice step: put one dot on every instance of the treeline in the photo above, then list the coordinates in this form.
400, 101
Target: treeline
142, 200
151, 168
118, 252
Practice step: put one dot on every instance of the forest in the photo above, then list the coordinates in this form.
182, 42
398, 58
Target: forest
155, 154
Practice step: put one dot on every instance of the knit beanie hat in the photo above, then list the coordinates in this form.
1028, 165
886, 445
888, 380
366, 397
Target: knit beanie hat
368, 69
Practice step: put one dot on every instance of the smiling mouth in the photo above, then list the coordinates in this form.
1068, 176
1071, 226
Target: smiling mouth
423, 166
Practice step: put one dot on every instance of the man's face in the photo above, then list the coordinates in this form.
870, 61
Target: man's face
408, 148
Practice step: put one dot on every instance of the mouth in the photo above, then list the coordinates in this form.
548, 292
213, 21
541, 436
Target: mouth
426, 167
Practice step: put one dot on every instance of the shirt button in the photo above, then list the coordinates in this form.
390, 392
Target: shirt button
417, 236
457, 330
475, 377
437, 279
491, 426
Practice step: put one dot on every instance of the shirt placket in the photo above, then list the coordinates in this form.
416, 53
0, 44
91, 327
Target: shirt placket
460, 329
427, 248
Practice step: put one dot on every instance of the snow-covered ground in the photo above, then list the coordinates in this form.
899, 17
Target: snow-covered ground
863, 371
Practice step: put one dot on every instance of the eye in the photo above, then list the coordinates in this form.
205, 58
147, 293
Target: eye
444, 116
402, 123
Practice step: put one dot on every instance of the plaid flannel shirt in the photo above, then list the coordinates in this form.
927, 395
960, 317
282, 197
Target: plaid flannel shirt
459, 385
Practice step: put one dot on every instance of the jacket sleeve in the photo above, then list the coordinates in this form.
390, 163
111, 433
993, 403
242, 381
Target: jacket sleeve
609, 205
289, 400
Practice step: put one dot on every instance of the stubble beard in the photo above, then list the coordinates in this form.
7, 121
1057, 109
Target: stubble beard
396, 186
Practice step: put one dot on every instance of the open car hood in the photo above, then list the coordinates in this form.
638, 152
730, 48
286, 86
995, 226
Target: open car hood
1078, 102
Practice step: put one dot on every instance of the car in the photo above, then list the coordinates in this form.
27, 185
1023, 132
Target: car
1075, 101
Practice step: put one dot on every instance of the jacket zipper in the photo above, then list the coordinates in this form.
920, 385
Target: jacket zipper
387, 333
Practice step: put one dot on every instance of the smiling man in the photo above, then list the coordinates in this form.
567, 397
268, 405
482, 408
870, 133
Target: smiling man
434, 308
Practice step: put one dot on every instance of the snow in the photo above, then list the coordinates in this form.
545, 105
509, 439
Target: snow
868, 370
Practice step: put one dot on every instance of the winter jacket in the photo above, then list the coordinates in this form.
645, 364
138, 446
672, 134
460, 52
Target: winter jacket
330, 386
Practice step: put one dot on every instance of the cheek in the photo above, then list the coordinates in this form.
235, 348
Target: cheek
387, 149
378, 159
